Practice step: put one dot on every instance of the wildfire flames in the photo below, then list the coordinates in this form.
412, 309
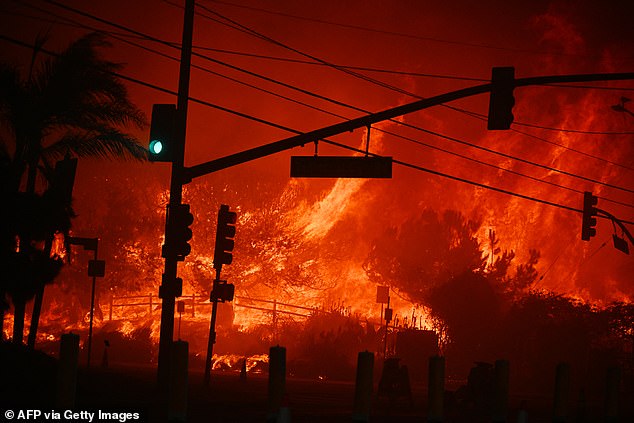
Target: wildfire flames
302, 246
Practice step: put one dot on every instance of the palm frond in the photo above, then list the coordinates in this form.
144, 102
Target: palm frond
71, 102
79, 86
105, 143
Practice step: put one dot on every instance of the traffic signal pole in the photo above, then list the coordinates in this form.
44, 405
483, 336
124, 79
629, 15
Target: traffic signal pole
170, 286
212, 337
225, 232
167, 291
364, 121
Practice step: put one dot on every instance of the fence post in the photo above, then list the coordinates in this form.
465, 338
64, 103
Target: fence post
436, 389
111, 305
613, 382
67, 370
277, 380
562, 388
363, 387
501, 395
194, 304
179, 382
150, 305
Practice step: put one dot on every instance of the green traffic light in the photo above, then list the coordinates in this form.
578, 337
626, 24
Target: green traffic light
156, 147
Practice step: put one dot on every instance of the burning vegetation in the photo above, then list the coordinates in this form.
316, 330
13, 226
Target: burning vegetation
482, 274
312, 288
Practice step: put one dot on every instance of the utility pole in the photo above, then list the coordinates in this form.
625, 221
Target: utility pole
170, 285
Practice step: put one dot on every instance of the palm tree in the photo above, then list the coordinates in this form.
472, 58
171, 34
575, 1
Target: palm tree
72, 102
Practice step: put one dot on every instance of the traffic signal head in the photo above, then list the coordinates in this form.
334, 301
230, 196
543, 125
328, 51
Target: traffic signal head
170, 287
589, 221
225, 232
179, 233
222, 291
501, 101
162, 133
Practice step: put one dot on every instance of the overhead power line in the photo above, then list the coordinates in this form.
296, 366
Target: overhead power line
243, 28
467, 181
272, 124
395, 33
249, 54
583, 153
589, 87
255, 33
575, 131
340, 103
122, 39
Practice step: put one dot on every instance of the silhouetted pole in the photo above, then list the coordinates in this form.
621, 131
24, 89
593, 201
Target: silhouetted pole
613, 382
436, 389
501, 393
363, 387
277, 380
243, 370
35, 319
212, 339
178, 382
562, 389
67, 370
104, 359
92, 309
387, 322
169, 282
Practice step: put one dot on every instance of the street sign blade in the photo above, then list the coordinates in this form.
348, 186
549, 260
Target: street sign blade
341, 167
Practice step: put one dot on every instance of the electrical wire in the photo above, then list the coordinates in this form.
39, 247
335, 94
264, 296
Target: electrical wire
517, 131
248, 30
303, 90
574, 131
583, 153
256, 55
394, 33
513, 172
255, 33
272, 124
362, 110
344, 117
308, 62
201, 68
468, 181
588, 87
122, 39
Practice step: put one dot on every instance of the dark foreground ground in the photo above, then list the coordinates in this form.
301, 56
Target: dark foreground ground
230, 399
122, 388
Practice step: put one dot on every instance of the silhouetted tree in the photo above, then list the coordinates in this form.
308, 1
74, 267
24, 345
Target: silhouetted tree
72, 102
436, 260
424, 253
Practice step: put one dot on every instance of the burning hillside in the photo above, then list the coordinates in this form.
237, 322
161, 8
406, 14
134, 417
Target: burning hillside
473, 222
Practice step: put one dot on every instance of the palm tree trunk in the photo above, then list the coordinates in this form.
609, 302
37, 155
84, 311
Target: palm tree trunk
37, 306
19, 309
20, 305
35, 317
